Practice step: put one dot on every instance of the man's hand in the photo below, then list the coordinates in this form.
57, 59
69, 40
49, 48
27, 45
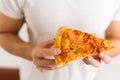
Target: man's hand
40, 54
96, 60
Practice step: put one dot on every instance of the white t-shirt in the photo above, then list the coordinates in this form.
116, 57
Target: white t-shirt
44, 17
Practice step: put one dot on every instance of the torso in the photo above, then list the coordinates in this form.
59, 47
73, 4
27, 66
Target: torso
44, 17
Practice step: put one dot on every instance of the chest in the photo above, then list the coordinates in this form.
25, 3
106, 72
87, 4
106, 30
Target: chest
81, 14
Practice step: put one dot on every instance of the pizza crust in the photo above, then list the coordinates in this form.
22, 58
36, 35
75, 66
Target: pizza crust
57, 44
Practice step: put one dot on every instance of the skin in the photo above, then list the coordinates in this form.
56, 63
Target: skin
10, 41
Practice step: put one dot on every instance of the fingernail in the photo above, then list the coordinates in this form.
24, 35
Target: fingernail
57, 51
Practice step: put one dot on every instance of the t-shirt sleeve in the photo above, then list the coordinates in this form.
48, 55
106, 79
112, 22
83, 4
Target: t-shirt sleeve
117, 15
12, 8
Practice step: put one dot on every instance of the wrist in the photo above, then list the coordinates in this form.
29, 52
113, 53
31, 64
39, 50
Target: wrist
30, 50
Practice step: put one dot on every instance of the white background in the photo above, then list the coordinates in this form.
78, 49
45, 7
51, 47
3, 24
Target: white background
106, 72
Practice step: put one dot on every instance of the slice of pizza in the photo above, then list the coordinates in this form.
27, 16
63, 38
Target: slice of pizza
75, 45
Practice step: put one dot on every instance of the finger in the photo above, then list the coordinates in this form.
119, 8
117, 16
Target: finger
43, 68
90, 60
45, 52
86, 61
47, 44
45, 62
96, 57
49, 52
105, 57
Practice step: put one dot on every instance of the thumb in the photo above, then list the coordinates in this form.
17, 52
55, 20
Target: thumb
46, 52
47, 44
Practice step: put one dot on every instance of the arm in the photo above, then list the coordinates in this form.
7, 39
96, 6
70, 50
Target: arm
9, 38
10, 41
113, 34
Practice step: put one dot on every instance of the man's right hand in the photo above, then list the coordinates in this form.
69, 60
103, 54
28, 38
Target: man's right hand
40, 54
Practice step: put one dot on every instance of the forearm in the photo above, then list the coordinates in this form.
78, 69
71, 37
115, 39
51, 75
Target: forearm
14, 45
116, 51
